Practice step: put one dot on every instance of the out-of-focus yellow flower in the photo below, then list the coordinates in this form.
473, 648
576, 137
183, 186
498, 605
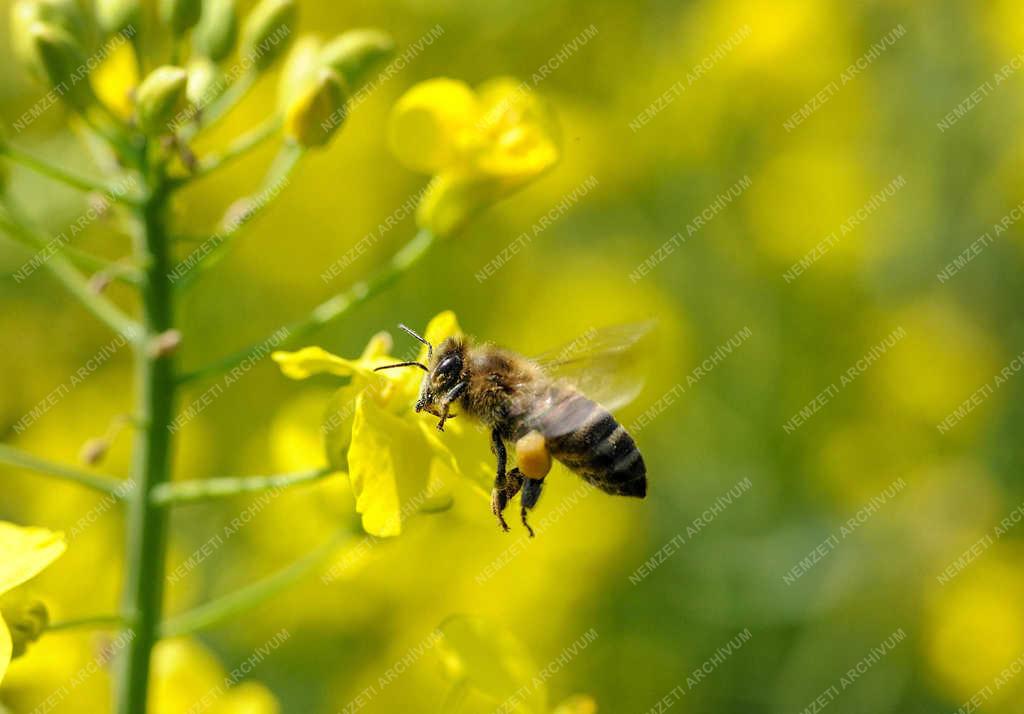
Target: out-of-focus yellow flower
577, 704
116, 78
495, 668
977, 629
393, 455
481, 145
186, 677
23, 553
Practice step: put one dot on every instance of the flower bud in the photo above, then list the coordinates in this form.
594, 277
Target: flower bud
204, 82
98, 282
354, 53
268, 30
165, 343
63, 63
300, 69
317, 112
160, 97
94, 451
180, 15
217, 30
26, 619
62, 14
114, 16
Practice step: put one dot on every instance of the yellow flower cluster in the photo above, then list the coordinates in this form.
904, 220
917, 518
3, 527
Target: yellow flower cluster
480, 145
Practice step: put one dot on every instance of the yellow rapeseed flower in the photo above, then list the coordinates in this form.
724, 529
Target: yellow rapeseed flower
187, 677
481, 145
395, 459
116, 78
24, 552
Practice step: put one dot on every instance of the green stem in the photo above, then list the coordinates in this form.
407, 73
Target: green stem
335, 307
182, 492
142, 597
246, 598
98, 482
215, 247
241, 146
220, 107
95, 263
122, 145
83, 259
74, 281
66, 177
96, 622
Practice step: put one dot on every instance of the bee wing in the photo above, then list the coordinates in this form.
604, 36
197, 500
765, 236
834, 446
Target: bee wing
605, 365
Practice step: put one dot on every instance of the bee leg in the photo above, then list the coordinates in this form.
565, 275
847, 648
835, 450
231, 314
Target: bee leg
446, 401
531, 494
499, 495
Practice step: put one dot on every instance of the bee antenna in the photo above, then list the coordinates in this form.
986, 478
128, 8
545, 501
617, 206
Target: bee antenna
430, 347
403, 364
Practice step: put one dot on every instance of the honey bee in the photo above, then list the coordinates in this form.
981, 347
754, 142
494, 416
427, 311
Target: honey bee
539, 406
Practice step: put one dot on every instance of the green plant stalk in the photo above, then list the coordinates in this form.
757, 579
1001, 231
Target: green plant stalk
99, 482
142, 597
248, 597
208, 489
93, 622
240, 146
219, 108
68, 178
277, 176
66, 273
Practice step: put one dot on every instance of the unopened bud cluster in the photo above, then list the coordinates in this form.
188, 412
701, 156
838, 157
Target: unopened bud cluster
196, 51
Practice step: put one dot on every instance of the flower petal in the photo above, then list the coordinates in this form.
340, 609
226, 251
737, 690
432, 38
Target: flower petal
389, 464
116, 78
430, 124
6, 648
26, 551
442, 326
492, 660
249, 697
577, 704
452, 200
378, 348
337, 424
523, 133
316, 360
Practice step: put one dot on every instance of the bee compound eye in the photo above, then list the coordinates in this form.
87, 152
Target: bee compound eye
451, 363
532, 456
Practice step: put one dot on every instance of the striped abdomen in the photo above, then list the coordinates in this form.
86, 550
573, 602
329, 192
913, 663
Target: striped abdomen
585, 437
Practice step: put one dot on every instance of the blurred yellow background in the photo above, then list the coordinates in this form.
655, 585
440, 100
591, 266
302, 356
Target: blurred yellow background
722, 143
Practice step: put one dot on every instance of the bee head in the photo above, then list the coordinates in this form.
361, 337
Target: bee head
444, 370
